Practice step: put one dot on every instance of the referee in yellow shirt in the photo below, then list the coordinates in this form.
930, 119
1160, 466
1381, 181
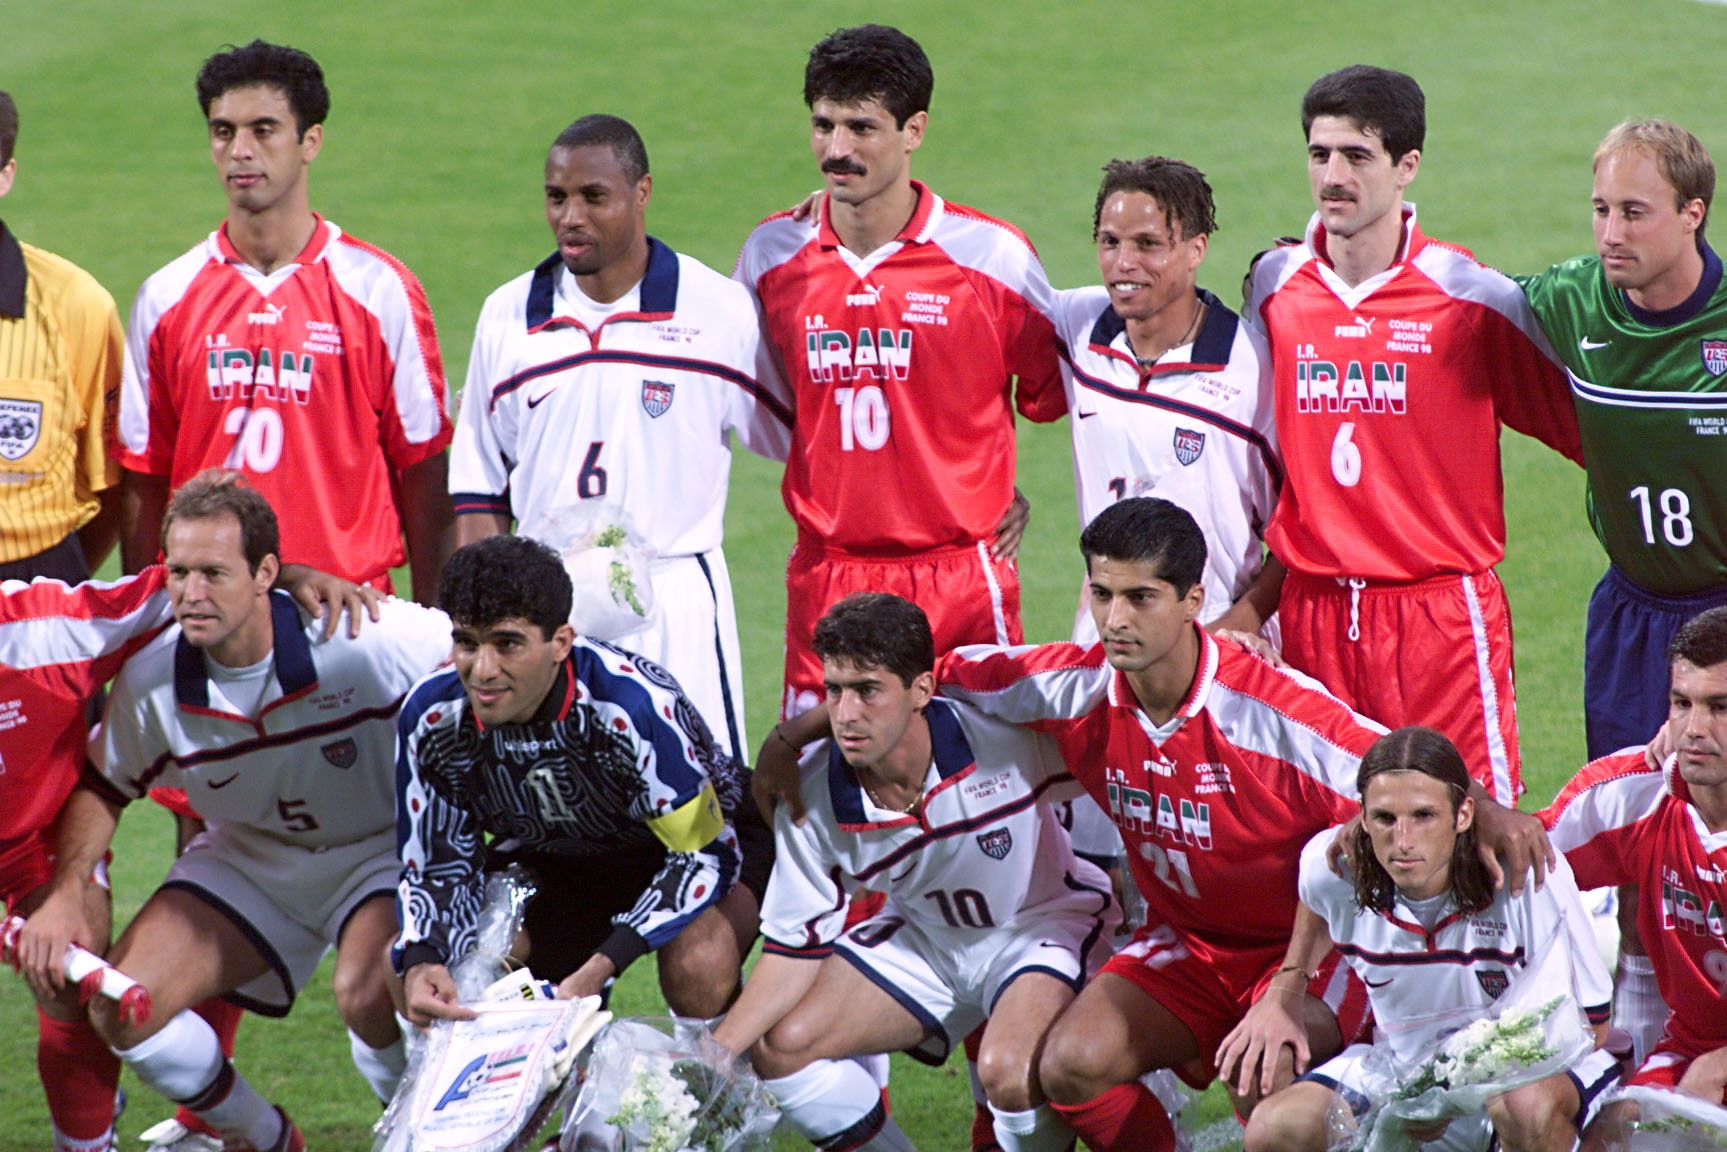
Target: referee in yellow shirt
60, 355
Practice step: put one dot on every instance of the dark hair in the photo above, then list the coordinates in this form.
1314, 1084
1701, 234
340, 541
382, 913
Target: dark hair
272, 65
870, 62
1386, 103
1428, 752
1152, 529
503, 578
8, 127
1179, 189
214, 493
877, 630
1702, 639
612, 132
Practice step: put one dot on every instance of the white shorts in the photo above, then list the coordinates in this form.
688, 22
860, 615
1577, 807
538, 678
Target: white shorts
291, 903
951, 986
694, 636
1593, 1076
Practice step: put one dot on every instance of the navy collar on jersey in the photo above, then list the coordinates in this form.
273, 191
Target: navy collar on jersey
916, 230
295, 671
1210, 348
310, 254
948, 746
13, 275
659, 288
1690, 306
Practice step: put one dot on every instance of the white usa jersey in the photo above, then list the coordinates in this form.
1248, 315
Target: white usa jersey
638, 411
981, 852
1425, 983
1195, 428
315, 768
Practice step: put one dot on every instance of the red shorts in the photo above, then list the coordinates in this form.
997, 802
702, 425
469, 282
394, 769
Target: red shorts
27, 863
969, 596
1436, 652
1210, 995
1665, 1066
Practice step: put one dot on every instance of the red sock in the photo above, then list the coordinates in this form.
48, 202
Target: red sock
225, 1019
1127, 1118
982, 1121
79, 1075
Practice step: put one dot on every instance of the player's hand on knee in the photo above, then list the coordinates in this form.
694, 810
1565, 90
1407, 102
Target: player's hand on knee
1706, 1077
431, 995
40, 948
1252, 1049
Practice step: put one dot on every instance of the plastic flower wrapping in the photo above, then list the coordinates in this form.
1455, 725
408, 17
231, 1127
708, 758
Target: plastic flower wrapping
663, 1085
609, 563
1534, 1030
489, 1084
1671, 1121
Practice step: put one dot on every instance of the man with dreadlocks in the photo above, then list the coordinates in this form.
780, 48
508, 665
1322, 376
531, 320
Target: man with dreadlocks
1419, 920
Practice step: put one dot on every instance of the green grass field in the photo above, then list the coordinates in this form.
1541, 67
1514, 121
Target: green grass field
442, 111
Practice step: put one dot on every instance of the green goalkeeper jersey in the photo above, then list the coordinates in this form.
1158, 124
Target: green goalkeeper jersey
1651, 392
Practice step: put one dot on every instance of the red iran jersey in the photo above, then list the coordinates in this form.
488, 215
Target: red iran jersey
1389, 397
321, 382
902, 364
59, 643
1214, 807
1620, 822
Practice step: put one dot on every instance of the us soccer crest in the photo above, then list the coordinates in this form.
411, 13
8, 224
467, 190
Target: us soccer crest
20, 427
1188, 445
656, 397
996, 843
1493, 982
342, 753
1715, 356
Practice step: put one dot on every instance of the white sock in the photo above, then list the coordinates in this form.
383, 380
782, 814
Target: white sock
382, 1067
184, 1062
836, 1104
1034, 1130
1637, 1004
65, 1143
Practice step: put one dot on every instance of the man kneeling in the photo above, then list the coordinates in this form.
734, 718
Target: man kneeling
1421, 924
988, 912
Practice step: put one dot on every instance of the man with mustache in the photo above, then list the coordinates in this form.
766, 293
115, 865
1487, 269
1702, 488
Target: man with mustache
901, 321
1395, 360
615, 376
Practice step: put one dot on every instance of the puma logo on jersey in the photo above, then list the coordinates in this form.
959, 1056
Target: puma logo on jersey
1360, 330
272, 314
873, 353
1380, 387
868, 298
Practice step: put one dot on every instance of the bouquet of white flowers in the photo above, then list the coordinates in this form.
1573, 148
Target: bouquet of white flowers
609, 565
1534, 1030
664, 1086
1670, 1121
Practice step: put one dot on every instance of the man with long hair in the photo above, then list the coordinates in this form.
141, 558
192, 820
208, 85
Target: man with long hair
1418, 919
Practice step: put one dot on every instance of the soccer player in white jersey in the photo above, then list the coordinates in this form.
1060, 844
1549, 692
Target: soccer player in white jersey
284, 741
988, 912
1170, 393
613, 378
1419, 921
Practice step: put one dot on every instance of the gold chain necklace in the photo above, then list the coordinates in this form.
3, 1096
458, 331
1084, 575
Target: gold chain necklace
1186, 337
876, 800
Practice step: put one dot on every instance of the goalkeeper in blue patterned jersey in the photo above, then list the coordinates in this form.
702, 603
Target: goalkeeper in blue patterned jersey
587, 764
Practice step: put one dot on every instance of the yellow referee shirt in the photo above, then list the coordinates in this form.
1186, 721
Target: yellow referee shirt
61, 348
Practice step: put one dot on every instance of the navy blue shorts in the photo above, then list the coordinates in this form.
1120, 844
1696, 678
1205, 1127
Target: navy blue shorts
1625, 668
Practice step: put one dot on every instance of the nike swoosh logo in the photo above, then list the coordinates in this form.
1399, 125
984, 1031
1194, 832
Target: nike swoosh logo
215, 784
1371, 984
536, 401
1589, 345
1086, 415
